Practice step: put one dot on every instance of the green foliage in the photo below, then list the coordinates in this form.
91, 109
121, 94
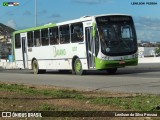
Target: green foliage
106, 101
33, 91
139, 102
157, 50
47, 107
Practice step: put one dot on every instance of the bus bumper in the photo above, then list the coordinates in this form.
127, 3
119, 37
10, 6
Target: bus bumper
104, 64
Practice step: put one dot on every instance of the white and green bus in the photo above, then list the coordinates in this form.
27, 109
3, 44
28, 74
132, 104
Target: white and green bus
102, 42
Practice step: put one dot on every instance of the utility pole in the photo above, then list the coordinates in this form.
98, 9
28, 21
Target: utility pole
35, 13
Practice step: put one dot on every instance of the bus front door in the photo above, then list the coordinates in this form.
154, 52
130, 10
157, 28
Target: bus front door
24, 49
90, 47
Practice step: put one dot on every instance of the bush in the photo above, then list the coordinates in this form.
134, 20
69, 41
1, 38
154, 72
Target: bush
157, 51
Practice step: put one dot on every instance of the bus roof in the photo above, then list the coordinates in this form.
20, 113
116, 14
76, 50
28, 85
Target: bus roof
81, 19
88, 18
111, 14
35, 28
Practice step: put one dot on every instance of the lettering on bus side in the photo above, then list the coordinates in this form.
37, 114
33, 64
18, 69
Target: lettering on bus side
60, 52
74, 48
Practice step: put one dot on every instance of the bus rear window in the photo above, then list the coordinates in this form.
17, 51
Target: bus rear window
17, 41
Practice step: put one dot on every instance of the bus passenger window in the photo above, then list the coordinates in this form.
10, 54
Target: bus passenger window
77, 32
53, 34
17, 41
30, 39
64, 34
37, 41
44, 37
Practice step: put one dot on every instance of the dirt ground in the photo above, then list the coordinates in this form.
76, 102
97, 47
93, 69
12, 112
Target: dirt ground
14, 101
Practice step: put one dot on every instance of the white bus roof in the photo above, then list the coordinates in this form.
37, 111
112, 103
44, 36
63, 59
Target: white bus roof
87, 18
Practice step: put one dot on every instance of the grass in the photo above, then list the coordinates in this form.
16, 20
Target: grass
140, 102
137, 103
33, 91
47, 107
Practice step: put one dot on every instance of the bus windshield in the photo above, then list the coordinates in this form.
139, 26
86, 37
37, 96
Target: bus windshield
117, 35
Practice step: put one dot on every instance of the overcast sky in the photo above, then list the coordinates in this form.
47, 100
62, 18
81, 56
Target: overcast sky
146, 17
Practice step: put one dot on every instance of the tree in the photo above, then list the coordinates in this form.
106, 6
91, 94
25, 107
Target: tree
157, 51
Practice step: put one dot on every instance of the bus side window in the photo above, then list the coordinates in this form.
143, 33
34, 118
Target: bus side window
44, 37
54, 38
77, 32
30, 39
17, 41
64, 34
37, 41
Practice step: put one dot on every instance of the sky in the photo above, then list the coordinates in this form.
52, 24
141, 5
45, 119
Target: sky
146, 17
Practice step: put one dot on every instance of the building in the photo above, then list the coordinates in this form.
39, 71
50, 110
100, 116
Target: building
146, 51
5, 41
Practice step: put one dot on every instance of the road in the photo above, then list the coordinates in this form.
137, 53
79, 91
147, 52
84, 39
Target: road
142, 79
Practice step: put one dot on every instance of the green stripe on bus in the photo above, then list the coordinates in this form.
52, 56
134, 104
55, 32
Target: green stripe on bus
104, 64
35, 28
94, 30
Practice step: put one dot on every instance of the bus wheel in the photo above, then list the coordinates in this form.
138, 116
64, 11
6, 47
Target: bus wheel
78, 67
112, 70
36, 68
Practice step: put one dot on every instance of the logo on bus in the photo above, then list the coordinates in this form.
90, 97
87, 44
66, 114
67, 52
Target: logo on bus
60, 52
74, 48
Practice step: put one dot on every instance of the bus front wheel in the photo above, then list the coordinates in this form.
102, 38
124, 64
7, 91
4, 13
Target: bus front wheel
78, 67
112, 70
36, 69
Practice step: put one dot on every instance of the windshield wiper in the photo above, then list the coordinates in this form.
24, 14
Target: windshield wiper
124, 43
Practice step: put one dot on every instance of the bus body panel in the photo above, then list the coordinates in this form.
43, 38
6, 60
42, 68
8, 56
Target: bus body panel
60, 56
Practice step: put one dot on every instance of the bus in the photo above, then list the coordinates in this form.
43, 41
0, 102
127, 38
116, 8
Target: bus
101, 42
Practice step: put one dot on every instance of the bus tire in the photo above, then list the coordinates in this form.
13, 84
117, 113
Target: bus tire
112, 70
36, 68
78, 67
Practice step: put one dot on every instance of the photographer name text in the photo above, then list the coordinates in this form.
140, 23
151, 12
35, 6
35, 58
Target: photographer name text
144, 3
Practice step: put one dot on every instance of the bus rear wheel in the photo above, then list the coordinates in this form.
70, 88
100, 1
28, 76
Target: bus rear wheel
78, 67
112, 70
36, 69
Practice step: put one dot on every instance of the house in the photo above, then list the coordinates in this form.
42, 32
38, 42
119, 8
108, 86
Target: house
5, 41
